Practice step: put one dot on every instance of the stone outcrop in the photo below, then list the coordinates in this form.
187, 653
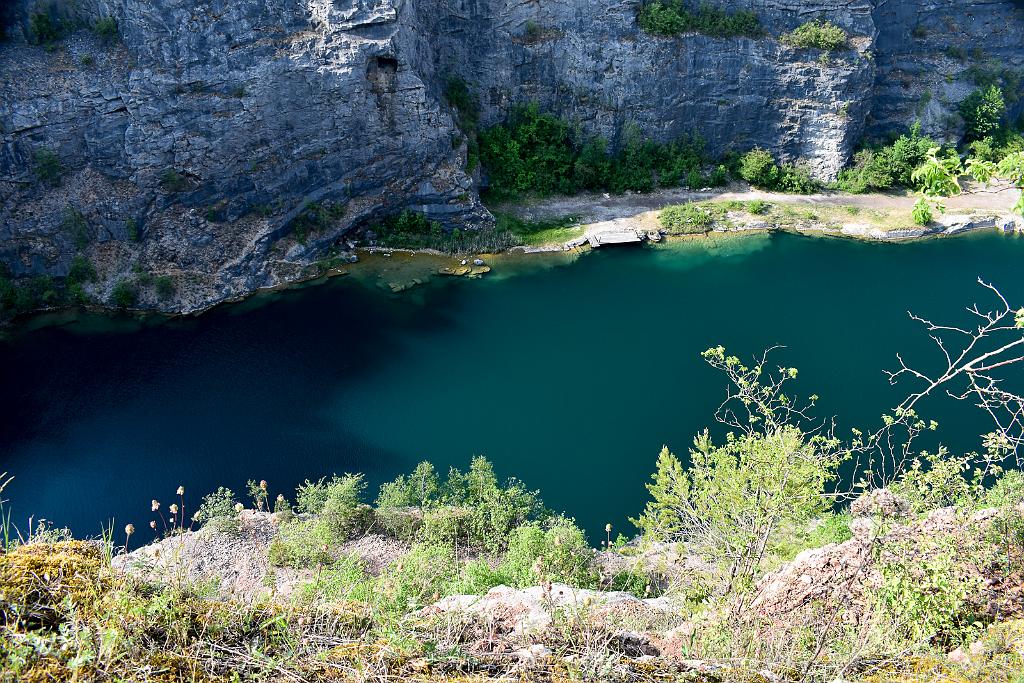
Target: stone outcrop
848, 576
229, 146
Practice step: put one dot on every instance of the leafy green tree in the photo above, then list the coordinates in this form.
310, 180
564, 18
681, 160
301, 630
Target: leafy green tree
881, 168
758, 168
735, 499
44, 28
982, 111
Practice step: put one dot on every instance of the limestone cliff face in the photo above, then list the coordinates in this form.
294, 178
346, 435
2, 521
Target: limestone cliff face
190, 147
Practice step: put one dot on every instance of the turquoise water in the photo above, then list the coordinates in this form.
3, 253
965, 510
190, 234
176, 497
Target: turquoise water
570, 378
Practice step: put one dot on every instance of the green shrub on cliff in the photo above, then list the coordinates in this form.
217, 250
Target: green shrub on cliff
821, 35
124, 294
47, 166
672, 18
531, 152
44, 29
106, 29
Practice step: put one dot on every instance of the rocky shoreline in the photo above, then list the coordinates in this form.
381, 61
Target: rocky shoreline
399, 269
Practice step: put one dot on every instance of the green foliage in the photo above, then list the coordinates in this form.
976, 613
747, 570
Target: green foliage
983, 111
412, 230
937, 175
124, 294
301, 544
994, 148
424, 574
132, 227
672, 18
758, 207
922, 212
47, 166
531, 152
1006, 491
466, 104
76, 227
593, 165
685, 219
470, 511
419, 489
822, 35
345, 581
735, 499
929, 601
935, 480
758, 168
467, 108
535, 152
26, 295
44, 28
559, 553
218, 511
81, 270
172, 181
164, 286
106, 29
315, 217
543, 231
343, 512
882, 168
408, 229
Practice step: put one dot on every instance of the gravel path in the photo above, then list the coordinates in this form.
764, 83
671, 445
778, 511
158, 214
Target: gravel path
593, 208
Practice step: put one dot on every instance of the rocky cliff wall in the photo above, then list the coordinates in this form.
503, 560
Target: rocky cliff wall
190, 146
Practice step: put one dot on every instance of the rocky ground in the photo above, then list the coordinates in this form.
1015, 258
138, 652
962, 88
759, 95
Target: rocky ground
840, 579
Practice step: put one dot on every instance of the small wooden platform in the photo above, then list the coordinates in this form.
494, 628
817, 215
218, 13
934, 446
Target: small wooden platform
598, 239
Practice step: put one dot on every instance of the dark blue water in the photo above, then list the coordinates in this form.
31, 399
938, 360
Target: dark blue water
570, 378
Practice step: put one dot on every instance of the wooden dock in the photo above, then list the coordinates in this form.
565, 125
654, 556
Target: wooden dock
599, 239
618, 231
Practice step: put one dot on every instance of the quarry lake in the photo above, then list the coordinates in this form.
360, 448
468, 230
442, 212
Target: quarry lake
569, 377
